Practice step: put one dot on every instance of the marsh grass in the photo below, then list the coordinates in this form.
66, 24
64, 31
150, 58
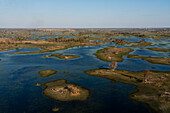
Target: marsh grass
46, 73
149, 92
154, 60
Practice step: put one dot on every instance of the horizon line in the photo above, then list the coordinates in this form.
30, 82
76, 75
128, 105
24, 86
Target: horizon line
90, 28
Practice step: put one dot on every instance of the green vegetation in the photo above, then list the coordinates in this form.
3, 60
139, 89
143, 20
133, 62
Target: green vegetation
60, 90
155, 60
112, 54
46, 73
155, 91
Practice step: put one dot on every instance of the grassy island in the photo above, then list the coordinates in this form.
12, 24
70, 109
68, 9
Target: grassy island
112, 54
33, 52
63, 56
155, 91
155, 60
46, 73
60, 90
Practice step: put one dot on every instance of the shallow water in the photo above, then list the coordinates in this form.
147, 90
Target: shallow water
19, 74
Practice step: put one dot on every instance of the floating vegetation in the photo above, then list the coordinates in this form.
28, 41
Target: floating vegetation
60, 90
46, 73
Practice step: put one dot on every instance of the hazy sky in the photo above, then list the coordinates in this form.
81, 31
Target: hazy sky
84, 13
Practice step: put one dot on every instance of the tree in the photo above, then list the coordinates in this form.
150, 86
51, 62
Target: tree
113, 65
146, 75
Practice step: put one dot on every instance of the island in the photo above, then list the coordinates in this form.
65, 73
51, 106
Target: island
61, 56
112, 54
46, 73
60, 90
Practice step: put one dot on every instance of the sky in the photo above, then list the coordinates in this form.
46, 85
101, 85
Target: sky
84, 13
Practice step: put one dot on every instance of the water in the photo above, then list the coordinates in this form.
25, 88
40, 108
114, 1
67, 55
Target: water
19, 74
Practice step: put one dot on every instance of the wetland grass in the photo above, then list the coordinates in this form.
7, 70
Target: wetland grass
46, 73
155, 91
154, 60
